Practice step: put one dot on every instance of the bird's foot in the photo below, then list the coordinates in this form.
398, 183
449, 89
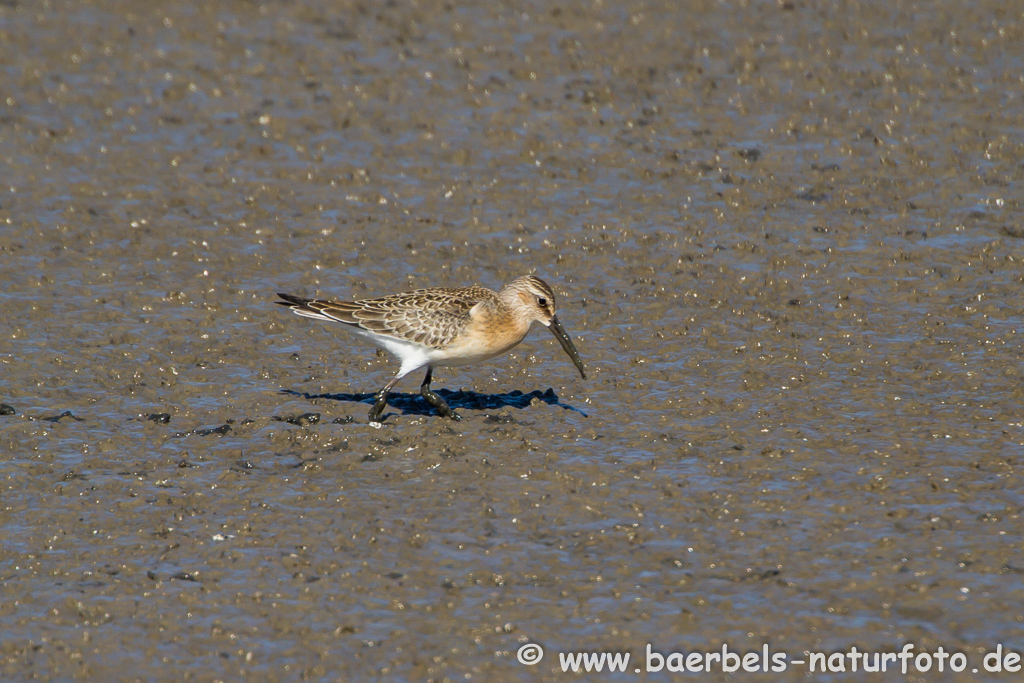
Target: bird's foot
448, 412
439, 404
378, 406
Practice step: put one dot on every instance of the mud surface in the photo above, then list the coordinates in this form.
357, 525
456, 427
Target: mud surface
787, 239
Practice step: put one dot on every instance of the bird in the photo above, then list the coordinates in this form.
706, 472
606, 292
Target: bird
443, 327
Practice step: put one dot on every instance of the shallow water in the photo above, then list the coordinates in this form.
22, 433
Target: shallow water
786, 240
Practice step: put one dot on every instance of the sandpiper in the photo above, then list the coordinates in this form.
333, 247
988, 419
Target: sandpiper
443, 327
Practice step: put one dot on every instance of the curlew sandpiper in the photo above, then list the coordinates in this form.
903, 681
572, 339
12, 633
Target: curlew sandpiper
443, 327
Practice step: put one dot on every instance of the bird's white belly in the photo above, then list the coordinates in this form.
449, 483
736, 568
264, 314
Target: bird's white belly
410, 354
452, 361
471, 349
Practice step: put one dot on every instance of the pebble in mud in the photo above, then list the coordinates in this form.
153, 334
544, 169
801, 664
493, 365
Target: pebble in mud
7, 409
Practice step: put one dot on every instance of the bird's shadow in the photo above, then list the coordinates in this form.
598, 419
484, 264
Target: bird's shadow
414, 404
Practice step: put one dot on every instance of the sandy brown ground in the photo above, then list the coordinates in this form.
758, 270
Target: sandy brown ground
787, 238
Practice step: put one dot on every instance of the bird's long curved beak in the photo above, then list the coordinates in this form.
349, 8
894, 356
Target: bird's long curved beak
563, 339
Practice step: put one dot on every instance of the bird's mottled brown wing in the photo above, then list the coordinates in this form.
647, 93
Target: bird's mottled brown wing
433, 317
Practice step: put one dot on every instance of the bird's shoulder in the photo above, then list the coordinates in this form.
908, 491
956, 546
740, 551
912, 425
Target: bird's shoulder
434, 317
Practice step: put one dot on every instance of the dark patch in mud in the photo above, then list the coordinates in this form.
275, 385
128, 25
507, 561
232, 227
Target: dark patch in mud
66, 415
414, 404
300, 420
208, 431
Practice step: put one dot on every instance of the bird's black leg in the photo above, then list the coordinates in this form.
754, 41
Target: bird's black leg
433, 399
382, 400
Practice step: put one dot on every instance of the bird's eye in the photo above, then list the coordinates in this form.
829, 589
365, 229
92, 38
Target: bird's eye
542, 301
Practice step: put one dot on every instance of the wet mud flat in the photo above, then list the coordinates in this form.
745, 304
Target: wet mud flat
786, 238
